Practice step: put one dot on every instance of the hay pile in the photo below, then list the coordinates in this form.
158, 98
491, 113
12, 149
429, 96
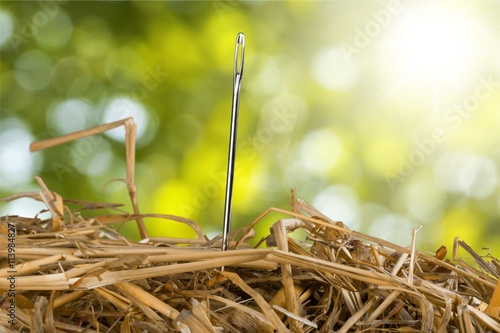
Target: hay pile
78, 275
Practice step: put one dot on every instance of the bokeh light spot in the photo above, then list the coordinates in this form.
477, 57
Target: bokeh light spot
94, 155
392, 227
92, 38
6, 27
332, 70
478, 177
430, 42
124, 68
320, 150
17, 165
340, 204
25, 207
56, 32
278, 73
424, 201
33, 70
438, 44
122, 107
72, 76
474, 176
70, 116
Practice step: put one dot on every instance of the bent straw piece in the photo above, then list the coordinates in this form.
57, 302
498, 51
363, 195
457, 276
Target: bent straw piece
130, 135
279, 231
118, 218
54, 203
446, 317
35, 195
294, 214
319, 222
44, 144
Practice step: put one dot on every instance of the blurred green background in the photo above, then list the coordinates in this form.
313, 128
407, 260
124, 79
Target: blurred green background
382, 114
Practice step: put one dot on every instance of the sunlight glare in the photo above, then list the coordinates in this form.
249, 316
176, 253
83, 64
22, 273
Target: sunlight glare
435, 44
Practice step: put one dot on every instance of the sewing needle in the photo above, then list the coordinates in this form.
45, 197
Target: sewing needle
238, 73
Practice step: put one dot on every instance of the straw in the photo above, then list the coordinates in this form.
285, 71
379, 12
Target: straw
85, 276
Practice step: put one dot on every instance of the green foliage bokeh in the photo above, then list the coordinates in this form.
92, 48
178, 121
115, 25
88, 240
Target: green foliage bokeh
328, 107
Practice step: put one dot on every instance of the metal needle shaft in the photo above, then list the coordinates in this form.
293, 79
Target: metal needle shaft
239, 58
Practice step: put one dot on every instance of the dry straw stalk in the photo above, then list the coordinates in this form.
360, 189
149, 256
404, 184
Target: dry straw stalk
335, 280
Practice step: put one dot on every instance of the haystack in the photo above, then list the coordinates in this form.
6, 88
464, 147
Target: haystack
79, 275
